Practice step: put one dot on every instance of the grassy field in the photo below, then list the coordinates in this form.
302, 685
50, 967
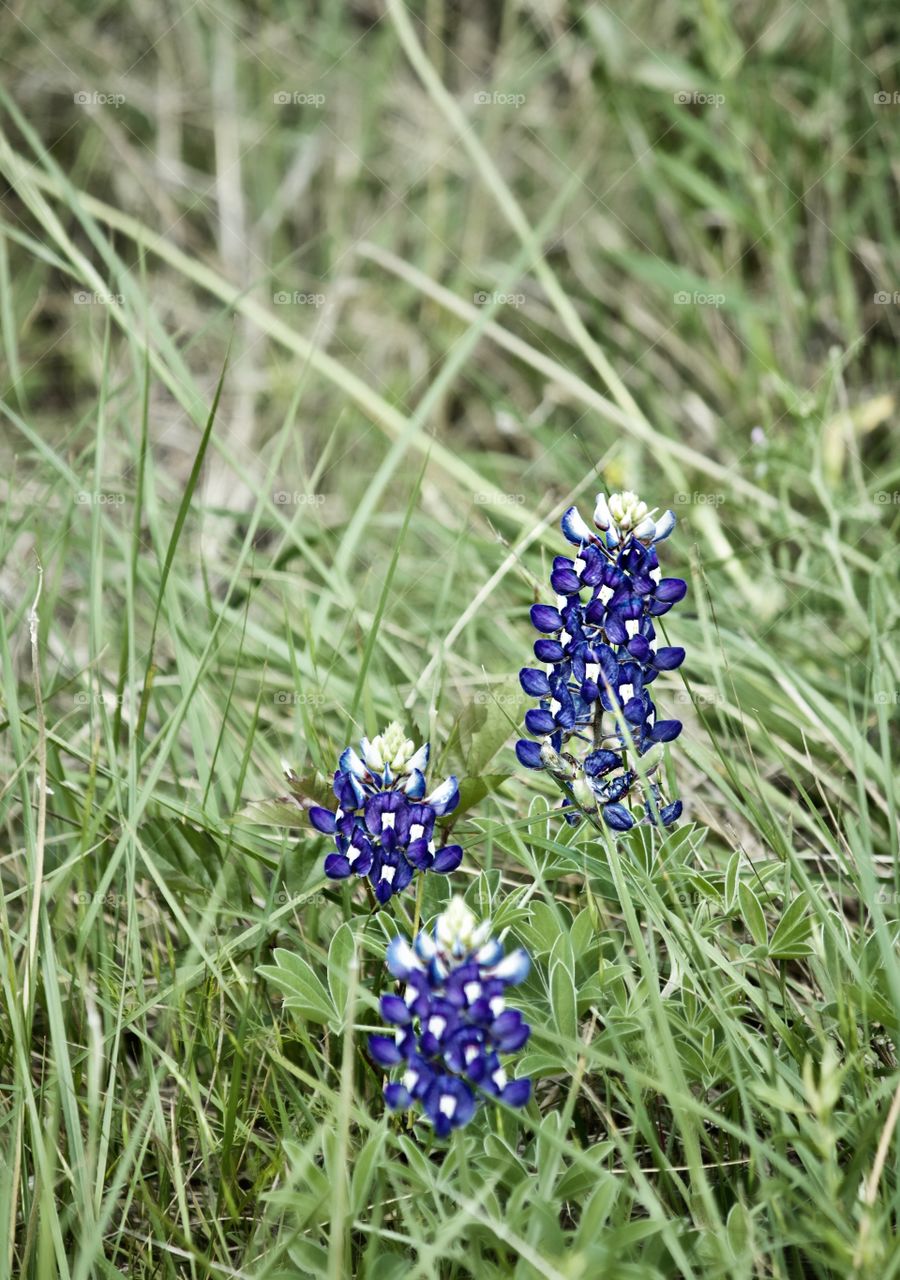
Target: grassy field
312, 322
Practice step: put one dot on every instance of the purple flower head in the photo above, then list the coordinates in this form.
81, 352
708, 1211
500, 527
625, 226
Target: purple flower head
384, 824
598, 642
451, 1024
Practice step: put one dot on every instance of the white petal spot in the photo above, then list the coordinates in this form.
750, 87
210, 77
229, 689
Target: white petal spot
388, 820
410, 1079
472, 991
388, 873
436, 1024
554, 706
632, 626
416, 831
605, 594
447, 1105
564, 637
471, 1053
626, 693
497, 1005
592, 671
499, 1078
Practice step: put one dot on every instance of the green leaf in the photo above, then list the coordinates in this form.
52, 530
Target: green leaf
282, 812
486, 723
731, 881
753, 915
563, 1000
340, 956
789, 939
302, 990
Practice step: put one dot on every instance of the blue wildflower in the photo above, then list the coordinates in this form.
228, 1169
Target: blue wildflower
598, 642
384, 824
452, 1023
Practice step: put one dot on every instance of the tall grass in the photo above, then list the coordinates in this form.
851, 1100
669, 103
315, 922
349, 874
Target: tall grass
526, 254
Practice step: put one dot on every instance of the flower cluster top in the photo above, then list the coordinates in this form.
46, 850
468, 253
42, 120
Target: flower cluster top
598, 642
452, 1022
383, 826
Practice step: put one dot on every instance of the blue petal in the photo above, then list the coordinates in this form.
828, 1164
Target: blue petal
512, 968
539, 721
337, 866
565, 581
600, 762
351, 763
397, 1096
401, 959
447, 859
415, 785
445, 797
534, 682
664, 526
671, 813
575, 528
671, 590
545, 618
385, 1051
517, 1093
420, 759
529, 754
548, 651
668, 658
323, 820
617, 817
395, 1010
665, 730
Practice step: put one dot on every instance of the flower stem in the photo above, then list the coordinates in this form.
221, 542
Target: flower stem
420, 888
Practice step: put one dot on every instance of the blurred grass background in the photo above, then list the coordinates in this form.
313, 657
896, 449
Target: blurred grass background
463, 263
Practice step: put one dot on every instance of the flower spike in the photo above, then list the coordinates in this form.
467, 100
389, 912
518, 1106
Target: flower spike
382, 827
598, 644
451, 1023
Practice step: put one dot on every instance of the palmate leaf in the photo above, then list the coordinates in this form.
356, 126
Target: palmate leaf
290, 810
789, 941
303, 991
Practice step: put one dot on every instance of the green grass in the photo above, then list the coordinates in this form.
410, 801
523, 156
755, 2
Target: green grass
193, 591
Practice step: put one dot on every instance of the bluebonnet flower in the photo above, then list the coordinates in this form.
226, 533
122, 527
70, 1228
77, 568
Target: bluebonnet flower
384, 823
452, 1022
598, 642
